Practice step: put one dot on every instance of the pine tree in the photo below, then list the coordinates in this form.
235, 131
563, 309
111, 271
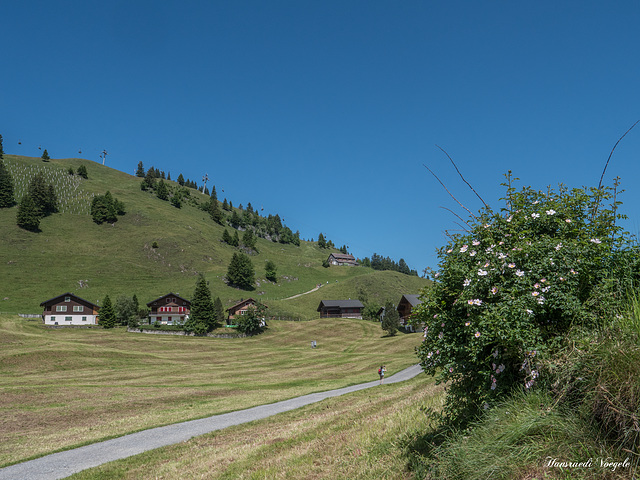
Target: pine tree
107, 314
38, 192
391, 319
248, 239
45, 155
321, 241
240, 272
235, 241
149, 181
70, 171
51, 206
28, 216
214, 211
226, 238
206, 191
214, 195
218, 311
140, 171
168, 175
1, 149
202, 317
225, 205
235, 219
6, 185
162, 192
181, 180
82, 171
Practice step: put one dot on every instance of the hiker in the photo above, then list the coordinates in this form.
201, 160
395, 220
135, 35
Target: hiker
381, 371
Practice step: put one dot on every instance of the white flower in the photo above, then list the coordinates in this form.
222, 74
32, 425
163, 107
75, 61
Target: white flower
512, 265
482, 273
477, 334
530, 312
535, 294
568, 220
494, 290
466, 324
558, 247
520, 273
466, 283
475, 243
596, 241
536, 202
472, 253
502, 256
510, 218
464, 248
551, 212
450, 250
535, 215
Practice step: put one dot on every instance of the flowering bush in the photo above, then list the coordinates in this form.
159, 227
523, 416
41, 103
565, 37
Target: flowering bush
510, 288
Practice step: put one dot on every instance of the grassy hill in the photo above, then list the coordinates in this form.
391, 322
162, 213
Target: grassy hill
72, 253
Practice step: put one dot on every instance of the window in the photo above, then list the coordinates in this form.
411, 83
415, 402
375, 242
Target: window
61, 308
67, 299
67, 319
78, 308
84, 319
53, 319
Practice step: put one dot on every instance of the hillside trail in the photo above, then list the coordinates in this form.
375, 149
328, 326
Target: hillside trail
317, 287
63, 464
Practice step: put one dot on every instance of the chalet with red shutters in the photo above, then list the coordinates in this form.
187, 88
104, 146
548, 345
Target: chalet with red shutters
69, 310
170, 309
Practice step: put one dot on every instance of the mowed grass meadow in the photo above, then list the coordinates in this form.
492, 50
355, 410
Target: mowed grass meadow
62, 388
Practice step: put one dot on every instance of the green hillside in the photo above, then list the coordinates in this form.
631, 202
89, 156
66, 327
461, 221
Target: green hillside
72, 253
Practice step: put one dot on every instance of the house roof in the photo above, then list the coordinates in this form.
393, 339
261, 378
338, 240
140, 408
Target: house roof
68, 294
171, 294
241, 303
340, 304
412, 299
343, 256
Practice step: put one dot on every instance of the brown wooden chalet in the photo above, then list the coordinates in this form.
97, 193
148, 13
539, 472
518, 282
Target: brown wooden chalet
69, 309
240, 308
170, 309
341, 259
340, 309
406, 306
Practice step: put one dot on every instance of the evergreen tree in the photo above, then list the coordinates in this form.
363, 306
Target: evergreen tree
240, 272
45, 155
225, 205
28, 216
391, 319
82, 171
1, 149
51, 205
176, 202
271, 271
235, 241
181, 180
140, 171
169, 176
104, 208
249, 208
202, 317
248, 239
38, 192
162, 192
108, 317
6, 186
206, 191
70, 171
149, 181
126, 310
235, 219
214, 195
226, 238
218, 311
343, 249
214, 211
162, 175
321, 241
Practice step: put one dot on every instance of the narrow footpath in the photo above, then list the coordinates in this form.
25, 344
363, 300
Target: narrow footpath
64, 464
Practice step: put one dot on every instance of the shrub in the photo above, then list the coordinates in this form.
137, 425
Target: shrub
511, 287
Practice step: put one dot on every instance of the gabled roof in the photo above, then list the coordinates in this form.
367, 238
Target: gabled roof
340, 304
241, 303
343, 256
68, 294
412, 299
171, 294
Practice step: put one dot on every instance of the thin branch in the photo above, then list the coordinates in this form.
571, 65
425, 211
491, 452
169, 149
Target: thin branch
614, 147
463, 179
443, 186
462, 219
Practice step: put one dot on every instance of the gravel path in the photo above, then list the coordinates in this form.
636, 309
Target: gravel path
63, 464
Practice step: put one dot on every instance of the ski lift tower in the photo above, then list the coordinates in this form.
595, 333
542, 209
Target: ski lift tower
205, 179
103, 156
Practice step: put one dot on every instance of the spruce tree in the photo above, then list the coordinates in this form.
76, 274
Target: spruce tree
214, 211
391, 319
28, 216
235, 241
140, 171
108, 317
248, 239
218, 311
226, 238
240, 272
214, 195
225, 205
202, 317
162, 192
38, 192
181, 180
1, 149
45, 155
6, 187
321, 241
51, 205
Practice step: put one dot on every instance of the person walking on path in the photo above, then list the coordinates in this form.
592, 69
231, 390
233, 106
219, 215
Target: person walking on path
381, 371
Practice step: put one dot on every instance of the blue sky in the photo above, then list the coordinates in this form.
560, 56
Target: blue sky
325, 112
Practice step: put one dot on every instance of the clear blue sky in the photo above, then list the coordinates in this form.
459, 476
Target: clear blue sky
325, 111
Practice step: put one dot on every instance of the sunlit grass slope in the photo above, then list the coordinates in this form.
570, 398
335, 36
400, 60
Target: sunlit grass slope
64, 387
71, 253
